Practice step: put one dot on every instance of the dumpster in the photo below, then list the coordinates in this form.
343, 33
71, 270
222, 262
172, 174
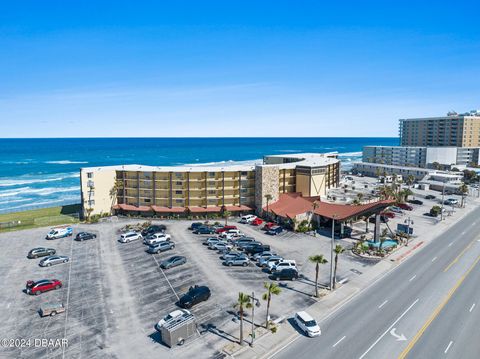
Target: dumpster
176, 331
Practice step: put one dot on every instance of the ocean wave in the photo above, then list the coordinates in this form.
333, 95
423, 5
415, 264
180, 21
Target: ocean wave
16, 200
226, 163
29, 180
41, 204
350, 154
37, 191
65, 162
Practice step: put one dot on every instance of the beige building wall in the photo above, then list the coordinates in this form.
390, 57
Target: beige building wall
311, 186
96, 191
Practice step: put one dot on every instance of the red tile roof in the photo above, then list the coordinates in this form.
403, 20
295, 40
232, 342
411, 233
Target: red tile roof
205, 209
159, 209
290, 205
238, 208
129, 207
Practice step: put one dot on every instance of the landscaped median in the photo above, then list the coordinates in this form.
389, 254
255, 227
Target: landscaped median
43, 217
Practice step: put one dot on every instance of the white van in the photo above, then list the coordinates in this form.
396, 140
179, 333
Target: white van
307, 324
129, 236
248, 218
59, 232
156, 238
284, 263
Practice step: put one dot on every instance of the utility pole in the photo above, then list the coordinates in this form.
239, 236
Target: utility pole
409, 222
443, 200
255, 302
331, 251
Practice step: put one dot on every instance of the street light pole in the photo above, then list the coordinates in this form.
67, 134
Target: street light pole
443, 200
255, 302
331, 252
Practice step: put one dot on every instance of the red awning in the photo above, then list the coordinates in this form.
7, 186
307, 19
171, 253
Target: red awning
238, 208
213, 209
159, 209
129, 207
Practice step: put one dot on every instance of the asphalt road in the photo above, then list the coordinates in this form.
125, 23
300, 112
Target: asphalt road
427, 307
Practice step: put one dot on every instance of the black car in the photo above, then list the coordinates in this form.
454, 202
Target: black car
430, 196
154, 228
204, 230
256, 248
195, 295
285, 274
83, 236
383, 219
173, 262
41, 252
195, 225
415, 201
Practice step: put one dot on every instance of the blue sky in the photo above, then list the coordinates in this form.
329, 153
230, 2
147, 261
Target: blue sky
233, 68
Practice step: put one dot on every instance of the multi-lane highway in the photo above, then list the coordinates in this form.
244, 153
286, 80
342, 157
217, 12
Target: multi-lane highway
428, 307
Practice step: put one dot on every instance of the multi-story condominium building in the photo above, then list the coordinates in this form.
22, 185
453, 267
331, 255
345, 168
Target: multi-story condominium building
451, 130
204, 189
418, 156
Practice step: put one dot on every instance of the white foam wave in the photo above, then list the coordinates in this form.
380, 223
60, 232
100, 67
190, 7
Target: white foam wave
350, 154
16, 200
38, 204
226, 163
37, 191
29, 180
65, 162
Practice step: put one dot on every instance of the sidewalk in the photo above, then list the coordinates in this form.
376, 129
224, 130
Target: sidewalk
268, 344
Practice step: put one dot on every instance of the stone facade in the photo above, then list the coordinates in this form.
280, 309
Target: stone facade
266, 182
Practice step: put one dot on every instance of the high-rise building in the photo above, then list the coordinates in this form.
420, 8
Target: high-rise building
457, 130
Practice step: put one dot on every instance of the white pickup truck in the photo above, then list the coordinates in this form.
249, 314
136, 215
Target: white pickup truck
59, 232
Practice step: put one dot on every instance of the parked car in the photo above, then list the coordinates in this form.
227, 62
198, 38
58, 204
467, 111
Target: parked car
241, 260
229, 255
129, 237
83, 236
395, 209
40, 252
160, 247
156, 238
204, 230
450, 201
258, 256
269, 225
244, 245
275, 230
248, 218
284, 263
224, 229
430, 196
405, 206
173, 262
51, 309
195, 225
195, 295
285, 274
256, 222
176, 314
387, 214
307, 324
211, 240
154, 228
383, 219
52, 260
221, 246
59, 232
244, 240
40, 286
255, 248
264, 262
415, 201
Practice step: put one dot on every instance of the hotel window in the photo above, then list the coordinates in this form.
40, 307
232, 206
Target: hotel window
178, 183
89, 174
212, 201
180, 201
91, 203
244, 173
178, 175
212, 192
178, 192
211, 183
147, 200
211, 174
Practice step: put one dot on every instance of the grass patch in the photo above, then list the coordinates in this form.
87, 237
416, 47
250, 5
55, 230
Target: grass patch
43, 217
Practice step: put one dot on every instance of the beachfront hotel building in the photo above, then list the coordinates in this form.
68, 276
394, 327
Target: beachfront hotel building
205, 189
457, 130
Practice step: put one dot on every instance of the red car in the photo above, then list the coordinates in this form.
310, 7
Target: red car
44, 285
256, 222
269, 226
405, 206
224, 229
388, 214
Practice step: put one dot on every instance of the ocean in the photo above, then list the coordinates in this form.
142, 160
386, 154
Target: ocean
38, 173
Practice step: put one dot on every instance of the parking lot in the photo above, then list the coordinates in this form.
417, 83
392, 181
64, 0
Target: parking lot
116, 292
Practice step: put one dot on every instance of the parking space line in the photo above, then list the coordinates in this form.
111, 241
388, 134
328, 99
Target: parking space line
412, 278
334, 345
471, 308
161, 270
448, 347
381, 305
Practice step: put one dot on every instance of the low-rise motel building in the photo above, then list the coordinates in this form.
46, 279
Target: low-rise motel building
179, 190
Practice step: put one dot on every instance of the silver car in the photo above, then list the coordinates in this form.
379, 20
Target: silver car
52, 260
241, 260
173, 262
263, 262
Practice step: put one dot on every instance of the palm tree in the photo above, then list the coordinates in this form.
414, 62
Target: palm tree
317, 259
243, 302
226, 214
315, 205
268, 198
272, 289
410, 180
113, 193
338, 250
360, 196
463, 191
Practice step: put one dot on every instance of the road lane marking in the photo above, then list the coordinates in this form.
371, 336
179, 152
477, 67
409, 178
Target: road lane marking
448, 347
471, 308
436, 311
458, 257
434, 259
381, 305
412, 278
334, 345
389, 328
161, 270
450, 244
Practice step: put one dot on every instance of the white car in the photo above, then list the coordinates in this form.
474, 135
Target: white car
282, 264
176, 314
248, 218
307, 324
156, 238
129, 237
220, 246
